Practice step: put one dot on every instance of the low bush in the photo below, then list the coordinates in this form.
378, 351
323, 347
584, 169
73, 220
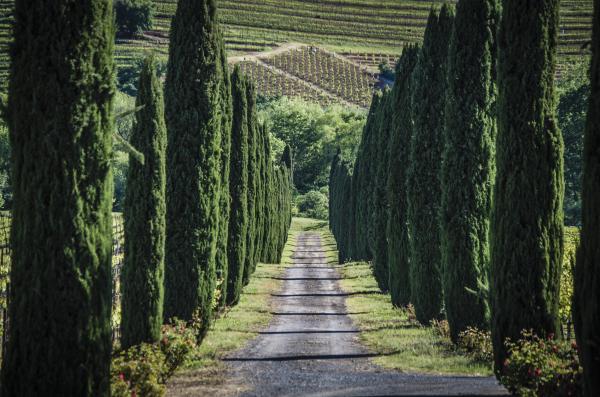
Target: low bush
441, 328
477, 344
314, 204
144, 370
542, 367
133, 16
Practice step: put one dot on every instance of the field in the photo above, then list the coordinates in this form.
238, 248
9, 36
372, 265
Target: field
366, 32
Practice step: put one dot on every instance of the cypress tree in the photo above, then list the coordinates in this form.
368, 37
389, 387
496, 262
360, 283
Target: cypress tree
467, 172
527, 217
586, 306
238, 224
193, 115
60, 118
380, 198
423, 185
333, 196
397, 226
260, 196
252, 180
363, 178
143, 269
225, 200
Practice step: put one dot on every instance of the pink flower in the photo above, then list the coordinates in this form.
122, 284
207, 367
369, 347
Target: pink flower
506, 362
121, 376
538, 372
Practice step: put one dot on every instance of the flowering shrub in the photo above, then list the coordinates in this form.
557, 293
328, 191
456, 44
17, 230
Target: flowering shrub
143, 370
477, 344
176, 343
441, 328
138, 372
542, 367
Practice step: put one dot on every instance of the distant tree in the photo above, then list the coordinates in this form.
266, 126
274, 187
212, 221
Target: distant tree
133, 16
586, 305
60, 118
380, 197
225, 199
527, 218
397, 225
363, 184
238, 188
143, 269
574, 92
423, 186
467, 173
193, 113
253, 161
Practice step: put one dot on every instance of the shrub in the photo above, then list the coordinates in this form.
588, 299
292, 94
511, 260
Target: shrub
313, 204
477, 344
541, 367
133, 16
144, 370
441, 328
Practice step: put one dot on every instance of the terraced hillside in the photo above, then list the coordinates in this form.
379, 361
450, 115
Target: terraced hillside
365, 31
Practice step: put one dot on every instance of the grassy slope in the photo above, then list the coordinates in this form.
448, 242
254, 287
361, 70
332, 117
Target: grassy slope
204, 372
366, 31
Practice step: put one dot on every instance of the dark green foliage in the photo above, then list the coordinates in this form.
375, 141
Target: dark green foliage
340, 205
61, 124
260, 196
193, 114
423, 186
253, 169
574, 90
143, 270
127, 76
363, 184
225, 200
587, 281
133, 16
467, 172
238, 188
397, 226
527, 218
379, 192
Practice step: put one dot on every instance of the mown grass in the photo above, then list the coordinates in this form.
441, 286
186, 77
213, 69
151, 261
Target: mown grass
241, 323
398, 340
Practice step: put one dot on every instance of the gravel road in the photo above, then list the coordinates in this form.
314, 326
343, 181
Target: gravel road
311, 347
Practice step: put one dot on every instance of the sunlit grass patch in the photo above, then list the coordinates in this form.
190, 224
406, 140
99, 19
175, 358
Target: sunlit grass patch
403, 344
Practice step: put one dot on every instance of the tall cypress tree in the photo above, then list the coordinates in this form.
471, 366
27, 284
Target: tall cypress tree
397, 226
225, 200
363, 182
193, 115
423, 186
527, 218
260, 196
380, 198
586, 306
252, 180
467, 173
238, 223
143, 270
60, 117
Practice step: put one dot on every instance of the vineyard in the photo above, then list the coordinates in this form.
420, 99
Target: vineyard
364, 31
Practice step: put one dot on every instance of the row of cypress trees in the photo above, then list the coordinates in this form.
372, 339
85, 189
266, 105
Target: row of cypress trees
456, 192
201, 155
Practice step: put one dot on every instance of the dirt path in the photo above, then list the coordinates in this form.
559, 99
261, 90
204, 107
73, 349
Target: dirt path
311, 347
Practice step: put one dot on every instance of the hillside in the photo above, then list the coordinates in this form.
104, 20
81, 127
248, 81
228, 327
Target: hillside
366, 32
